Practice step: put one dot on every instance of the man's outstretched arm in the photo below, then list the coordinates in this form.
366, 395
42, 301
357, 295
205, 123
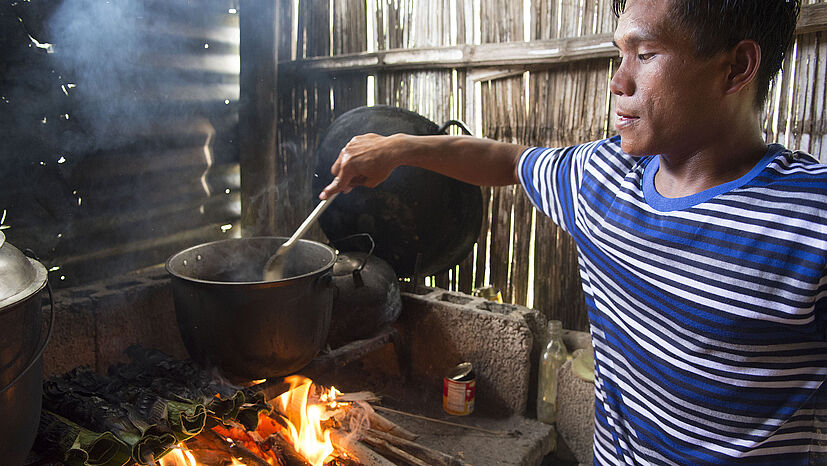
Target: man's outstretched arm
369, 159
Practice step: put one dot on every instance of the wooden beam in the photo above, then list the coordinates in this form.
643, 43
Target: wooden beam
511, 55
258, 115
813, 18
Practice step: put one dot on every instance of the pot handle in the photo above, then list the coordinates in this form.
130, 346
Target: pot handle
358, 270
444, 128
39, 353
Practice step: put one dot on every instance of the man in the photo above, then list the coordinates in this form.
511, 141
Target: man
702, 250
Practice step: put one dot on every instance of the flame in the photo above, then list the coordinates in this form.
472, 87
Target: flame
179, 456
304, 421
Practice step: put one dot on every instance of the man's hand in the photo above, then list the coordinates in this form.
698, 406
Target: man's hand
366, 160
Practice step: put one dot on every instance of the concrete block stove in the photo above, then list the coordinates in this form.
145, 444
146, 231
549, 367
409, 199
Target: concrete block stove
437, 330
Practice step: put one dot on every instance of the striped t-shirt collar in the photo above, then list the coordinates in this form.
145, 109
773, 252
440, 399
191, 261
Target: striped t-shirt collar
668, 204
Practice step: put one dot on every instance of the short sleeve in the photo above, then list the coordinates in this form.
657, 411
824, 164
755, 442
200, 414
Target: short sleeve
552, 178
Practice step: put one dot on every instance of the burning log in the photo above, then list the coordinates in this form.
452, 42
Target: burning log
240, 452
358, 450
291, 456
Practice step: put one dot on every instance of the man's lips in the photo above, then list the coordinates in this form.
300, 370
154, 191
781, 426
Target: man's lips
624, 120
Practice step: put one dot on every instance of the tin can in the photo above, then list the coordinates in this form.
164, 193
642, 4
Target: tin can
459, 390
488, 292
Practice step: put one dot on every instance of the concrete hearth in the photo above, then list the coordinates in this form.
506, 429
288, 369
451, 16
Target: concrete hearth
438, 329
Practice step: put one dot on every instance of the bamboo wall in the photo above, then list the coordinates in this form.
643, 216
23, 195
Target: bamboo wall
518, 251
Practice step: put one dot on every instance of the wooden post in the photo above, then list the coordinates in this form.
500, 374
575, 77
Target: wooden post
258, 115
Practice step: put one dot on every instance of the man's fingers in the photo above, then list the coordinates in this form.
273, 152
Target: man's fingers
333, 187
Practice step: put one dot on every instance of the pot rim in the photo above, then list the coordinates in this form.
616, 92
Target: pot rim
32, 288
25, 294
329, 265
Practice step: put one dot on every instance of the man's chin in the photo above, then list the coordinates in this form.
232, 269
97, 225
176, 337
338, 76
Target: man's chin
634, 147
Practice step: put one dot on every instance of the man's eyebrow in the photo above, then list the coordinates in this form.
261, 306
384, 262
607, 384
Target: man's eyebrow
635, 37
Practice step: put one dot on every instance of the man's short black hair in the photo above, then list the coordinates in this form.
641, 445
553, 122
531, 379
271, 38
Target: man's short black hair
718, 25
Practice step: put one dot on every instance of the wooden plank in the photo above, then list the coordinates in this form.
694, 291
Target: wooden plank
813, 18
258, 114
545, 52
514, 54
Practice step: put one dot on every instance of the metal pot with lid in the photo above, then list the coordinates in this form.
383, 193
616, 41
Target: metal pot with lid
21, 349
423, 223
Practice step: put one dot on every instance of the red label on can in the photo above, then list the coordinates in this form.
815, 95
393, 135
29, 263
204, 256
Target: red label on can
458, 396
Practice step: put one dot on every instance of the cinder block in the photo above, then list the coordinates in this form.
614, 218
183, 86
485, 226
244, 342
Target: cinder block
94, 324
443, 329
73, 336
135, 311
575, 414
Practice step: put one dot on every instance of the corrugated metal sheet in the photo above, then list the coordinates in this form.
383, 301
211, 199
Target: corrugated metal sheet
120, 144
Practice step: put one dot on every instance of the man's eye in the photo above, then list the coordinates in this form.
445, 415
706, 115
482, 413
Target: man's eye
645, 56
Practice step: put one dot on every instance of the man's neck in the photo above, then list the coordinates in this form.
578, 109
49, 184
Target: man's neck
690, 173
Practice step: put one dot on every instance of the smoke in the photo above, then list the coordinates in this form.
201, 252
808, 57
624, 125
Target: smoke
99, 48
359, 419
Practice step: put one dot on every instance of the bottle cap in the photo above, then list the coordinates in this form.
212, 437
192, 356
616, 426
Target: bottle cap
554, 325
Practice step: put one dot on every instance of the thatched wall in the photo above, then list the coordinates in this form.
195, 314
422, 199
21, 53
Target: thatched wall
547, 84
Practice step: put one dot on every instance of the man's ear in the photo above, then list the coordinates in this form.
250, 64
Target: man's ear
745, 58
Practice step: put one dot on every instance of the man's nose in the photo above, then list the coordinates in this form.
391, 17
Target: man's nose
622, 82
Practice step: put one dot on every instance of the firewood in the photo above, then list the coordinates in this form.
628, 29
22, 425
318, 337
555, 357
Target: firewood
429, 455
498, 433
379, 422
291, 456
357, 396
358, 450
244, 454
384, 447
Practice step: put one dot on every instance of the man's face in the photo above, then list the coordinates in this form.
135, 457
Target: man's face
667, 97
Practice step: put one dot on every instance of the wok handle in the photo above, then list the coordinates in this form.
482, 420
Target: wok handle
444, 128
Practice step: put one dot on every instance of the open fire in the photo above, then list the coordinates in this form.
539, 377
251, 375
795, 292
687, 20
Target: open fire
156, 410
301, 421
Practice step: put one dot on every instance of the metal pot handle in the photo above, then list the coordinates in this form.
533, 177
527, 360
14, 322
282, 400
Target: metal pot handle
444, 128
39, 353
370, 252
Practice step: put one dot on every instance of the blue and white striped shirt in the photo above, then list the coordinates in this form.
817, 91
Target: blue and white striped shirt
708, 313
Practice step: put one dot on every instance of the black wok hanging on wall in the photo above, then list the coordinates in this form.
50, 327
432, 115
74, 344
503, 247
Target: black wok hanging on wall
423, 223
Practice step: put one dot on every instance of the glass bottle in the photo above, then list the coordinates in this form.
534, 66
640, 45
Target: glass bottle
552, 358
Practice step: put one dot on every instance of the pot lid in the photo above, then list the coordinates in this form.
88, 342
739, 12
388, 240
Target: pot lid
20, 277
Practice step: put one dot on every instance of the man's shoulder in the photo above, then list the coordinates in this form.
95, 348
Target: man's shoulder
798, 167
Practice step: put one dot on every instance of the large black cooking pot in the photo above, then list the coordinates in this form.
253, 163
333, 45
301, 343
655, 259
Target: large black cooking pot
21, 348
231, 318
423, 222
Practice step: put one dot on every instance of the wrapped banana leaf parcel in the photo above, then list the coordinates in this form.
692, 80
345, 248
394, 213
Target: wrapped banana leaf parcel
225, 402
139, 410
